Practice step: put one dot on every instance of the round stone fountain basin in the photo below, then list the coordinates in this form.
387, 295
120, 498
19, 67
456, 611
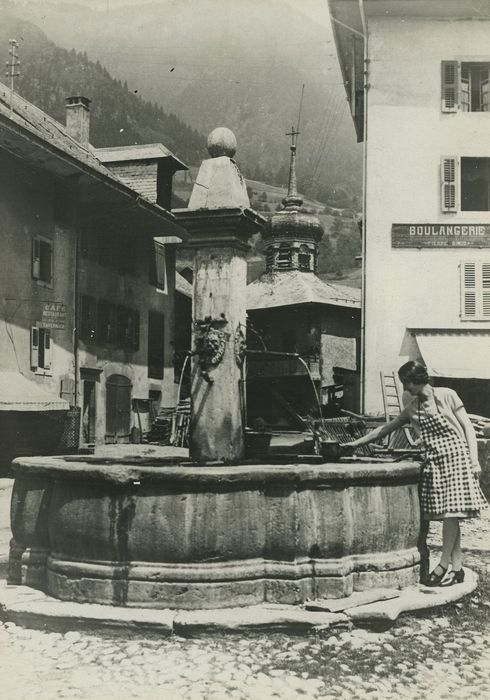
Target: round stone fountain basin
187, 536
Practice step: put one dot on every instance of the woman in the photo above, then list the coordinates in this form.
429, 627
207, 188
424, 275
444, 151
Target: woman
450, 490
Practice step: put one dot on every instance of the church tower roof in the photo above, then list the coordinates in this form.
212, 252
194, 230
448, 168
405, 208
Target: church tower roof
292, 235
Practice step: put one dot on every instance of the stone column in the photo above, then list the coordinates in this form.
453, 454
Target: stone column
220, 222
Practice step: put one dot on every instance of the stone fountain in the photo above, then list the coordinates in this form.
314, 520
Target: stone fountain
213, 531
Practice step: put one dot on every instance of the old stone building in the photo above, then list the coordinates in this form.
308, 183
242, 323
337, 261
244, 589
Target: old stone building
78, 301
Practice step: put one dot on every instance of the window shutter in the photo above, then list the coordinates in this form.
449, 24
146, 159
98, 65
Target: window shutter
450, 86
34, 348
36, 258
485, 93
47, 349
449, 183
485, 285
160, 265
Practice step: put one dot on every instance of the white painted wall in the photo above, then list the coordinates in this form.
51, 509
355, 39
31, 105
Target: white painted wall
407, 135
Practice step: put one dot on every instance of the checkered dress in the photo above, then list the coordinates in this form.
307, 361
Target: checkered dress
448, 486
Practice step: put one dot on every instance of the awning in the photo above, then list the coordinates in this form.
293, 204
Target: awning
17, 393
463, 355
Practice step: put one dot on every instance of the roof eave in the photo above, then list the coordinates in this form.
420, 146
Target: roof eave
77, 167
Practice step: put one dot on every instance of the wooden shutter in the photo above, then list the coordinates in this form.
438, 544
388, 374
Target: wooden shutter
475, 291
485, 92
469, 300
47, 349
485, 293
160, 265
34, 348
450, 86
449, 183
465, 101
36, 258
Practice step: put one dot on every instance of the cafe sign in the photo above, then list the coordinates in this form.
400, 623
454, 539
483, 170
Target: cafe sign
440, 235
54, 315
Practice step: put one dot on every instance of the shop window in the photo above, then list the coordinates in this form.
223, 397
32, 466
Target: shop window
156, 345
42, 260
475, 291
465, 184
40, 349
465, 86
88, 318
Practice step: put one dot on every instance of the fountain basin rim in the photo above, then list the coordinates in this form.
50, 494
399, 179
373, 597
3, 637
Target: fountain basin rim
122, 473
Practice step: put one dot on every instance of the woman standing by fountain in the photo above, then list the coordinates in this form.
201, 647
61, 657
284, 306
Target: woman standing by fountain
450, 490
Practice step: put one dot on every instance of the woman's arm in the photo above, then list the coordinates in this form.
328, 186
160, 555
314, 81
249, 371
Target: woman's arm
380, 432
470, 434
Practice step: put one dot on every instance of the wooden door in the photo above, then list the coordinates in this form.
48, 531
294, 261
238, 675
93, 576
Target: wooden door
118, 408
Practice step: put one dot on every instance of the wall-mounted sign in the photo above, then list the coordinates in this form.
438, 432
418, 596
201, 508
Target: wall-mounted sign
440, 235
54, 315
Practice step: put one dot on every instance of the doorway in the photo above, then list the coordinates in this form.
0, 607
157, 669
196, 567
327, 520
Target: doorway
118, 409
89, 412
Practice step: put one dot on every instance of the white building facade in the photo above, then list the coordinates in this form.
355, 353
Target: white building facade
417, 76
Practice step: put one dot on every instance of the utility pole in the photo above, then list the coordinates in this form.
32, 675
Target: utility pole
13, 64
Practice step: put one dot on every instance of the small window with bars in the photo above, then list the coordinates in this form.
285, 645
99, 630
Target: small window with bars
475, 291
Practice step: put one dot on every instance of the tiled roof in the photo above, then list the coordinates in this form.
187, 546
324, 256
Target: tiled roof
18, 110
147, 151
52, 147
296, 287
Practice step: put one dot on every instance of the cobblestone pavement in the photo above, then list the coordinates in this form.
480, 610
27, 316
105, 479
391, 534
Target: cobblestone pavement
444, 653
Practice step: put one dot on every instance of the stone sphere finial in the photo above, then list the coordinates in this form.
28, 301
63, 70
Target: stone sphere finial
221, 142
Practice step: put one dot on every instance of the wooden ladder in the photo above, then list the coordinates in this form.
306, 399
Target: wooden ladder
403, 437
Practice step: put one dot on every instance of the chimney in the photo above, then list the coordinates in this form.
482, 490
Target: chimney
78, 118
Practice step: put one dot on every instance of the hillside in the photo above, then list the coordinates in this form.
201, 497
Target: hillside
118, 117
238, 63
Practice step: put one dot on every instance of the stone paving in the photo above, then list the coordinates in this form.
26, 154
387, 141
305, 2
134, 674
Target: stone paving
444, 653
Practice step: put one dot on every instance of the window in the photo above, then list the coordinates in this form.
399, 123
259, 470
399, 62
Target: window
106, 322
283, 258
465, 86
88, 319
304, 258
475, 291
42, 260
465, 184
157, 265
40, 349
156, 345
475, 184
127, 328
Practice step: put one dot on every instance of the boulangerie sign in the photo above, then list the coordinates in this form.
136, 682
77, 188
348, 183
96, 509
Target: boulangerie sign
440, 235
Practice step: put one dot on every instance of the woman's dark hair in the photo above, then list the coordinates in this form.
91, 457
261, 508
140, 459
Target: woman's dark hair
413, 372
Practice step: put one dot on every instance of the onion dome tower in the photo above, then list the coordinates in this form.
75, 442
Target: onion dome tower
291, 235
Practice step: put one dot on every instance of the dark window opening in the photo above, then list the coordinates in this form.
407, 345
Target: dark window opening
304, 258
88, 318
474, 87
156, 345
475, 184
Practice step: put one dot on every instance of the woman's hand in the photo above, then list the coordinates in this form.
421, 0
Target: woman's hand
476, 468
349, 447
